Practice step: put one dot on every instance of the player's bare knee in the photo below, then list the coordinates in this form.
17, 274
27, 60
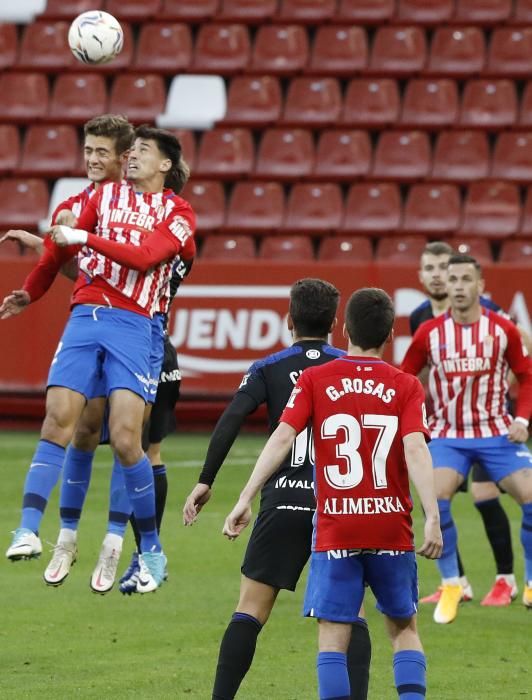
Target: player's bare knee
58, 425
86, 438
484, 491
126, 444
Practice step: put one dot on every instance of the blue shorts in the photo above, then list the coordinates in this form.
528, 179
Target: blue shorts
156, 354
336, 580
113, 343
497, 455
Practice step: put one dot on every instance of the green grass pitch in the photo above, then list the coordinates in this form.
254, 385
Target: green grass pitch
69, 643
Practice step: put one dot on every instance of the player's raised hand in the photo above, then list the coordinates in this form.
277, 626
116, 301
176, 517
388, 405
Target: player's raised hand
196, 499
64, 235
26, 239
433, 543
237, 520
14, 303
517, 432
66, 218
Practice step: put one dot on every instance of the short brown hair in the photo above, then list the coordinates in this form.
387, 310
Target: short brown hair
313, 305
112, 126
369, 317
438, 248
169, 145
463, 259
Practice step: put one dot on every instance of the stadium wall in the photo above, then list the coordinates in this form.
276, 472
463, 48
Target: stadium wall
226, 316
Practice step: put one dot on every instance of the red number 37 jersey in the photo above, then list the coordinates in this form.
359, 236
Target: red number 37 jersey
360, 409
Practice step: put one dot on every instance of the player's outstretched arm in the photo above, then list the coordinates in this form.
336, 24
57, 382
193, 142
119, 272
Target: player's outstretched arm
14, 303
222, 439
420, 470
273, 453
25, 238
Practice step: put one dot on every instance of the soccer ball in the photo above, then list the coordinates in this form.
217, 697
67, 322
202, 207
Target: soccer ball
95, 37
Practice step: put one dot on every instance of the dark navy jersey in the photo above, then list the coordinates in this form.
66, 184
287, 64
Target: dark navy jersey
423, 312
271, 381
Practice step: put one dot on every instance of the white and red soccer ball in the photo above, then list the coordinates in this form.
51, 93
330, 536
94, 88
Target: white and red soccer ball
95, 37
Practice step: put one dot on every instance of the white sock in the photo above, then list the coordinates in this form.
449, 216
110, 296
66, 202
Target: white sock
67, 535
113, 540
452, 581
509, 578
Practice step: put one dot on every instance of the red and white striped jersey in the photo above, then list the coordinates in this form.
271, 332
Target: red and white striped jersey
118, 213
469, 366
76, 203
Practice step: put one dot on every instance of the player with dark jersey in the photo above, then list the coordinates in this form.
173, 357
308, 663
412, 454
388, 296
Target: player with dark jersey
280, 543
432, 275
370, 428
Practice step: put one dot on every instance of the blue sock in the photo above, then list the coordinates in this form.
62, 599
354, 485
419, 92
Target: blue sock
526, 538
141, 493
41, 478
333, 679
119, 504
448, 563
409, 669
77, 472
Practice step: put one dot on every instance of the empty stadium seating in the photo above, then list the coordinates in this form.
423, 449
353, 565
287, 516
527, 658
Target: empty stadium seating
225, 153
372, 209
346, 249
313, 209
219, 247
461, 156
433, 209
285, 154
163, 48
286, 249
255, 207
50, 151
23, 203
69, 104
491, 209
9, 148
342, 154
253, 101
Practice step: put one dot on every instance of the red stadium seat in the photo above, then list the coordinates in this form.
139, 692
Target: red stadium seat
134, 10
402, 155
510, 52
219, 247
461, 156
491, 209
525, 227
426, 12
457, 52
25, 97
253, 101
482, 11
280, 50
163, 48
207, 198
371, 103
525, 111
512, 157
286, 249
372, 209
69, 97
188, 145
343, 155
400, 249
516, 252
10, 250
68, 9
489, 104
8, 45
9, 148
50, 151
398, 51
312, 102
346, 249
522, 14
365, 11
225, 154
479, 248
221, 49
432, 209
430, 103
44, 46
247, 11
23, 203
285, 154
141, 97
255, 207
189, 10
313, 209
339, 50
306, 11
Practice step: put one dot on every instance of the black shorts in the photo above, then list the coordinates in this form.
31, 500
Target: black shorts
279, 547
162, 419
